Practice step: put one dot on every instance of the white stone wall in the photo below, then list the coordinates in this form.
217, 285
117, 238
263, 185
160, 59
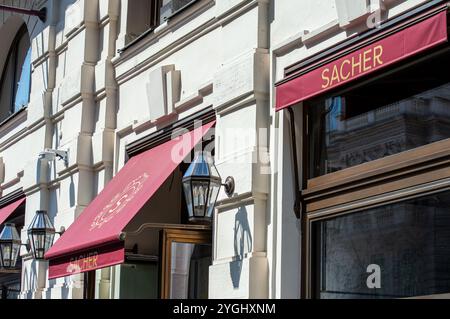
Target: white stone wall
89, 99
218, 57
92, 100
71, 108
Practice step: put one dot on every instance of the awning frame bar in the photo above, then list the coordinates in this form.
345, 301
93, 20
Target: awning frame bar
41, 14
164, 226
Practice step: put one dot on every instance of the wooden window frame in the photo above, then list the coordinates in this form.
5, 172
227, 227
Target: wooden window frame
309, 242
155, 14
169, 236
413, 166
410, 174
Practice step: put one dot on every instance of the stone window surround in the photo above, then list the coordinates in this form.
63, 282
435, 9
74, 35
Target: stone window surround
13, 120
9, 119
177, 17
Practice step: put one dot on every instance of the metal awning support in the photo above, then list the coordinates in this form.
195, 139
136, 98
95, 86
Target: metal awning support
41, 14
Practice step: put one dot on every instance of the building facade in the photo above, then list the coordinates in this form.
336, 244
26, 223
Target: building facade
361, 109
330, 116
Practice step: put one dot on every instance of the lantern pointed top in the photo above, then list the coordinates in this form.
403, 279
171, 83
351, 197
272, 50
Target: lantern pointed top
202, 166
41, 221
9, 232
41, 233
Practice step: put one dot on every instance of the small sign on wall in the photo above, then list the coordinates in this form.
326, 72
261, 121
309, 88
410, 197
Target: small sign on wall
163, 91
351, 10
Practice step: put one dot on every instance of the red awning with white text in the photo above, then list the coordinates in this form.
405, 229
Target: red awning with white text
396, 47
93, 240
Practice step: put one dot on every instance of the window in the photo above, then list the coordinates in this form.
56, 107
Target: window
187, 257
398, 112
169, 7
15, 81
11, 290
144, 15
408, 241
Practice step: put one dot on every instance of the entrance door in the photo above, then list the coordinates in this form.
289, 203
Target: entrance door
185, 259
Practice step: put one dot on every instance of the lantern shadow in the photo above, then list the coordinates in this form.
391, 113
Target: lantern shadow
71, 192
243, 244
30, 280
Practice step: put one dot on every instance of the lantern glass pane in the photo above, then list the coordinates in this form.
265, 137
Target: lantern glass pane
39, 244
9, 246
200, 194
33, 243
6, 254
188, 196
48, 241
41, 234
31, 239
214, 172
14, 254
9, 254
213, 193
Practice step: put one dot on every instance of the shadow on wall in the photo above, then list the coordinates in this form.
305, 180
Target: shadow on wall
30, 279
71, 192
243, 243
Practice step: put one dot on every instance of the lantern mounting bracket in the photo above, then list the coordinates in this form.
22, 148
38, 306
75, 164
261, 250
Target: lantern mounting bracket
27, 245
61, 231
50, 155
229, 186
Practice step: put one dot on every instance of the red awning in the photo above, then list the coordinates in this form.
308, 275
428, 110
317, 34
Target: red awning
7, 211
376, 56
92, 241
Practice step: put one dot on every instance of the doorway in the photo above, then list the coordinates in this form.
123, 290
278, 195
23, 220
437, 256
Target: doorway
185, 259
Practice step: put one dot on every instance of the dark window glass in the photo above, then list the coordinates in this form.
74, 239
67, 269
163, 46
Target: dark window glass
189, 270
408, 241
398, 112
145, 15
15, 82
9, 289
23, 75
142, 15
169, 7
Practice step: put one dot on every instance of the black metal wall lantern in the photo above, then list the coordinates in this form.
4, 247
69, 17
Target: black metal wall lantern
41, 234
201, 185
9, 246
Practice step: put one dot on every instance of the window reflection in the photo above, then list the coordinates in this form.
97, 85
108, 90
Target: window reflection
9, 289
15, 81
23, 86
409, 241
189, 270
395, 113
